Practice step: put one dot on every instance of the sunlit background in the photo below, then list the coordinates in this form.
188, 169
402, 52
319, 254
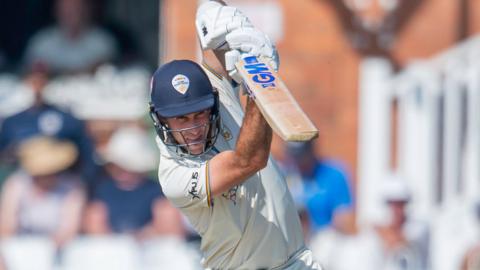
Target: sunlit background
392, 182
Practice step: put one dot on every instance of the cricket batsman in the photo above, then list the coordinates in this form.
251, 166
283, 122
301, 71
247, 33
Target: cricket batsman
215, 163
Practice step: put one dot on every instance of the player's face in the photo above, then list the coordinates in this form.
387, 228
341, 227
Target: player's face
191, 130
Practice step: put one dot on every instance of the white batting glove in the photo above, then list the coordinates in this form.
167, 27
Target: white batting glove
214, 21
252, 42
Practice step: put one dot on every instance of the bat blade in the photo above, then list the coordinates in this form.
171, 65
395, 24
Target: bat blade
275, 101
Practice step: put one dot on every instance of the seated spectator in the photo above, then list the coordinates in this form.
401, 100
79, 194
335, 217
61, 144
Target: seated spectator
74, 45
403, 241
41, 198
398, 243
321, 188
128, 201
43, 119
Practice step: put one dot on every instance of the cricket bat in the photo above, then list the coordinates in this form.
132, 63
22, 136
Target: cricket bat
274, 100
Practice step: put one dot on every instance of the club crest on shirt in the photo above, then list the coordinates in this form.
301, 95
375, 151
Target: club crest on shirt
226, 133
181, 83
50, 123
193, 191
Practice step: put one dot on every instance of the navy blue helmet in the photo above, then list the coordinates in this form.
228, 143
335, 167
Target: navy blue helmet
179, 88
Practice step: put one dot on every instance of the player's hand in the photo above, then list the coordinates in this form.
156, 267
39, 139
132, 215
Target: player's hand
214, 21
249, 41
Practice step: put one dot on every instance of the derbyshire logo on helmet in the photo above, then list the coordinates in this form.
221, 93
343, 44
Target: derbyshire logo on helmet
181, 83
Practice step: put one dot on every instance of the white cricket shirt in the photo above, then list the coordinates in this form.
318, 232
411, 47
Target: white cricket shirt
254, 225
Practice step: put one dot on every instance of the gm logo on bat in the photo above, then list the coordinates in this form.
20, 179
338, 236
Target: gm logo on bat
261, 73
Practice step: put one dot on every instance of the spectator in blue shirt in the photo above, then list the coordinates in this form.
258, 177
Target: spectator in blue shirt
128, 202
322, 189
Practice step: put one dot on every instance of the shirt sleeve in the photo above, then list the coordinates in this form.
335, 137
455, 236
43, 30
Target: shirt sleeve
187, 187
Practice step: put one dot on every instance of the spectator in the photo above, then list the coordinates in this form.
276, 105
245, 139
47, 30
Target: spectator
129, 202
74, 45
404, 242
399, 243
41, 198
48, 120
321, 188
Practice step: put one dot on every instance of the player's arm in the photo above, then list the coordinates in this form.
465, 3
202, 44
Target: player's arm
216, 61
224, 33
71, 214
251, 153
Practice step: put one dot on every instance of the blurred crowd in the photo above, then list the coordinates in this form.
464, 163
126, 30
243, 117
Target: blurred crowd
67, 177
67, 36
323, 191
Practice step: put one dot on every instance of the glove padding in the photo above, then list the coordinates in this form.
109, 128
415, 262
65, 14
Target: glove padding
252, 42
214, 21
223, 27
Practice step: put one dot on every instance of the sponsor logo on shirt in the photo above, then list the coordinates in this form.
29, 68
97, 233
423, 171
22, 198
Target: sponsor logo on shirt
231, 195
193, 192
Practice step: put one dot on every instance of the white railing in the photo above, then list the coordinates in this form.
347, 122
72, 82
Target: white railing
115, 252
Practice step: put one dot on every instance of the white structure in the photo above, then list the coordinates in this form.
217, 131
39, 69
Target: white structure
437, 105
110, 93
26, 253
